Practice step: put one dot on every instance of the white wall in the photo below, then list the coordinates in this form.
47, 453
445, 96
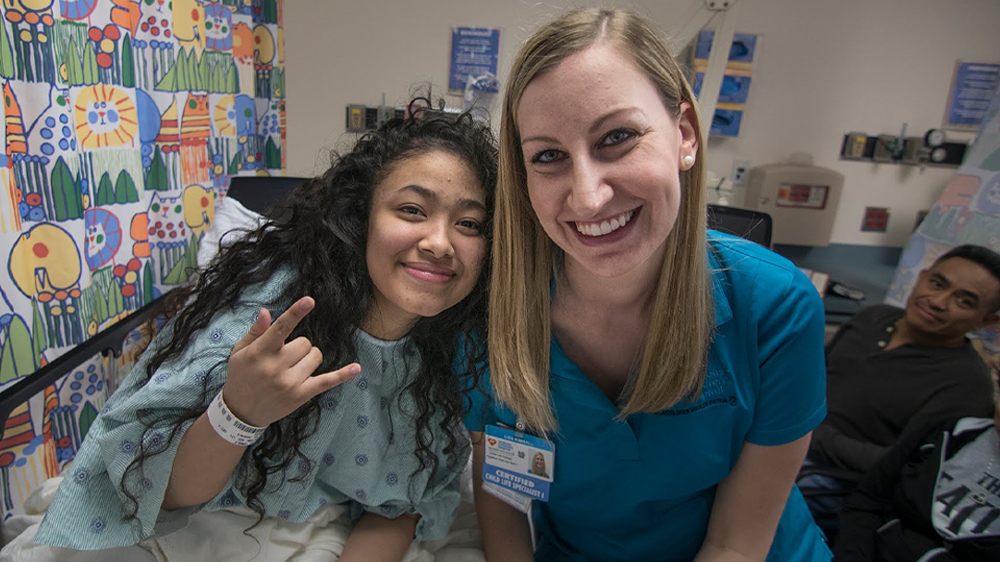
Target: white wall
824, 68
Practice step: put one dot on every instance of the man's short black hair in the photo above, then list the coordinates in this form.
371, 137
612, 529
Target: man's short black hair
985, 257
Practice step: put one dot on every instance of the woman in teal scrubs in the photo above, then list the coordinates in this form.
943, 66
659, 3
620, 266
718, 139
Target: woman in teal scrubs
677, 372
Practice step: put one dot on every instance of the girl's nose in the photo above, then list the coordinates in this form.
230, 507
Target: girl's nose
437, 241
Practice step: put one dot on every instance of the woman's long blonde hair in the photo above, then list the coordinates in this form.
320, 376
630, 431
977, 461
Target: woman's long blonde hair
672, 363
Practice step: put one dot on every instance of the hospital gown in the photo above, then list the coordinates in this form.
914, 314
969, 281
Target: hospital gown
362, 452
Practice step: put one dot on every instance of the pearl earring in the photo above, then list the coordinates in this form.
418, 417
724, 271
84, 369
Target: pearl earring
688, 161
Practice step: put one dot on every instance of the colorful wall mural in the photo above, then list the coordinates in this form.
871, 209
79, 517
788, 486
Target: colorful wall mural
968, 212
123, 122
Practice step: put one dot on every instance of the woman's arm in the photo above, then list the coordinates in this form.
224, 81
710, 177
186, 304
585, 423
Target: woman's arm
749, 502
377, 539
506, 537
267, 379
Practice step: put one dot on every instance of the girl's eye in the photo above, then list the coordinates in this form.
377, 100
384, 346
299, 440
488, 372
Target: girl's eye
471, 225
546, 157
617, 136
411, 210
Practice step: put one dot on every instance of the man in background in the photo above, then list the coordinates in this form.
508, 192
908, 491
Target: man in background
891, 370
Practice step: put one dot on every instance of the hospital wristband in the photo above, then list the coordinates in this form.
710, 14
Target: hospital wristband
230, 427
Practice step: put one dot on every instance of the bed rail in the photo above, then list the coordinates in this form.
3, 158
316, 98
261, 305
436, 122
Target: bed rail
106, 342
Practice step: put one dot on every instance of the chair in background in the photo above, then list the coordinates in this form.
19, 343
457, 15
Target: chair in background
261, 194
754, 226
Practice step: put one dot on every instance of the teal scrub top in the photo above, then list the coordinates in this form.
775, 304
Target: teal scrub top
642, 489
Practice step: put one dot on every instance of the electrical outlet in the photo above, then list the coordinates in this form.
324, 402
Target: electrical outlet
741, 169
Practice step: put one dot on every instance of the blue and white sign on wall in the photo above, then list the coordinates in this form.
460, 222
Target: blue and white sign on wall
971, 91
475, 51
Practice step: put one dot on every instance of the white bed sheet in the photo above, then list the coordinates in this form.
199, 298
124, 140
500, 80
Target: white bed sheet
218, 537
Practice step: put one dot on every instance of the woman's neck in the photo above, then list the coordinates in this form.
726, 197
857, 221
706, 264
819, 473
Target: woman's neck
633, 290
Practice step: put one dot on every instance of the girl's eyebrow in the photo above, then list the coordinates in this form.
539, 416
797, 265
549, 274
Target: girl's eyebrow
431, 195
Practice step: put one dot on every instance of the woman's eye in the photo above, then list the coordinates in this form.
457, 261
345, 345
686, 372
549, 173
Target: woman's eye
617, 136
545, 157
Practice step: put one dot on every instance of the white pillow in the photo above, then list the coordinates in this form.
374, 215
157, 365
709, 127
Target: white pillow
232, 219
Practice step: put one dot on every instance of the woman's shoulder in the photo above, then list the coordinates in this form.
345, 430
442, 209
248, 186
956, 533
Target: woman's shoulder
743, 256
753, 269
755, 280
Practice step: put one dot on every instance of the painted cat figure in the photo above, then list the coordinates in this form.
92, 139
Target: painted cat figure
167, 232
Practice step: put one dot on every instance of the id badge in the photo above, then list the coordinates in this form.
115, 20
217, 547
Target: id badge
518, 462
518, 501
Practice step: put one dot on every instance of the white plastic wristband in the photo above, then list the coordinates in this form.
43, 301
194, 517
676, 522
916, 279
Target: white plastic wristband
230, 427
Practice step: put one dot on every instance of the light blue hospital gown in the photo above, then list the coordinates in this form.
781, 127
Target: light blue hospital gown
362, 452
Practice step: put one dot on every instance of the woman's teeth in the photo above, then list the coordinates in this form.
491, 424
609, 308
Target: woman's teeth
605, 227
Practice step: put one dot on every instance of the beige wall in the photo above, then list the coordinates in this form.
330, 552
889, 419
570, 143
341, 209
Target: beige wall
824, 68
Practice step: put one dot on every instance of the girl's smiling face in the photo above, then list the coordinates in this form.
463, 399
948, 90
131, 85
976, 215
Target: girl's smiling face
425, 242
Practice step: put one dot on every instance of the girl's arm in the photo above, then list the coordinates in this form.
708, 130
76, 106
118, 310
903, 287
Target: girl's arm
506, 536
749, 502
267, 379
377, 539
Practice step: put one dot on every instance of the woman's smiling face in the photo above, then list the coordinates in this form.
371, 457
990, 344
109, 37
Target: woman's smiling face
603, 156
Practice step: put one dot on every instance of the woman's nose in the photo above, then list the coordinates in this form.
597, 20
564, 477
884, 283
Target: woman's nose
590, 192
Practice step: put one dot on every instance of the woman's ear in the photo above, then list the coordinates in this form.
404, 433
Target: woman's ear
687, 123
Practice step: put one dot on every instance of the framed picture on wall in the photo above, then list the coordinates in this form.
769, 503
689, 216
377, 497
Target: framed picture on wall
972, 87
475, 52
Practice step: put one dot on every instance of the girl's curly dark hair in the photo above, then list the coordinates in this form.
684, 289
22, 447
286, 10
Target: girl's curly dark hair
323, 238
